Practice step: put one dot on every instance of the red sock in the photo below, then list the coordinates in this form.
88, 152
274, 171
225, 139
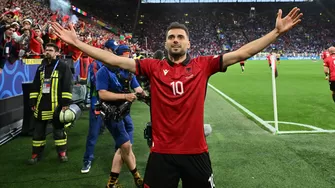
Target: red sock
34, 156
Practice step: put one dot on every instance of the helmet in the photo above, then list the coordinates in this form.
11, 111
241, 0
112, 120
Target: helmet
70, 115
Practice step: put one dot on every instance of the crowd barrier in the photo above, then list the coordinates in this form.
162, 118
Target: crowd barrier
15, 81
22, 71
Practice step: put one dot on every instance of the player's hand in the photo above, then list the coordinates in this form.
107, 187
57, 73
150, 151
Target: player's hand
67, 35
33, 108
141, 94
144, 94
65, 108
130, 97
292, 19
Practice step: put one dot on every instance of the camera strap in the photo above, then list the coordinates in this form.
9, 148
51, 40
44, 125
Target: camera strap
125, 82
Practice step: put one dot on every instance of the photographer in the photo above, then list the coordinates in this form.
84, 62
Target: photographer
95, 123
114, 85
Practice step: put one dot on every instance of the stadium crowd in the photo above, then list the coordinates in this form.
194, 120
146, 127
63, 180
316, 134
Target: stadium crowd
230, 30
25, 30
225, 26
25, 25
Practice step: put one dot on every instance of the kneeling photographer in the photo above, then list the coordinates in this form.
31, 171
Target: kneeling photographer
113, 85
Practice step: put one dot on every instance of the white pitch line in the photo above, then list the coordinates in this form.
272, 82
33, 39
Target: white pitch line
306, 132
258, 119
266, 123
298, 124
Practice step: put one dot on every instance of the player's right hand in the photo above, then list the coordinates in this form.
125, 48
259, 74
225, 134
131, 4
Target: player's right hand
130, 97
33, 108
67, 35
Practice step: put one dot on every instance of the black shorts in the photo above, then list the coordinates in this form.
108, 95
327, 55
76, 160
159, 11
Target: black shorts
165, 171
278, 59
242, 64
332, 85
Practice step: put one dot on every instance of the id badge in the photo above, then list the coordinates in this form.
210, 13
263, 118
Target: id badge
46, 86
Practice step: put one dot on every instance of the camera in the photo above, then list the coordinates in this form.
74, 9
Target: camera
148, 134
110, 111
145, 99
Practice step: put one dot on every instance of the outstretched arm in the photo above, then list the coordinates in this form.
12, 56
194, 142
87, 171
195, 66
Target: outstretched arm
282, 26
69, 36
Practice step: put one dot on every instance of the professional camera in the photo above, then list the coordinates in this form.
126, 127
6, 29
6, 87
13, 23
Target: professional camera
148, 134
145, 99
110, 111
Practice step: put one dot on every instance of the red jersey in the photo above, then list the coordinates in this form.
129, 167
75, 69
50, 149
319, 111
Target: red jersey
177, 102
325, 54
241, 62
268, 58
330, 63
76, 53
54, 39
34, 45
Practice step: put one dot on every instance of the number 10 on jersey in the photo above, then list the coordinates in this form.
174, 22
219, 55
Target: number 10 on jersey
177, 87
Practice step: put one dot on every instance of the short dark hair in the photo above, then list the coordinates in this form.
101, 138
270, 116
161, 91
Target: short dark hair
177, 25
10, 26
53, 45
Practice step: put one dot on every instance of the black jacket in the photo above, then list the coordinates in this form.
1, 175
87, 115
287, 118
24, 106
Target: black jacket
61, 84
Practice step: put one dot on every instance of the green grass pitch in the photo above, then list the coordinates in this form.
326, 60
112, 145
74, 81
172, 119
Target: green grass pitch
243, 154
303, 94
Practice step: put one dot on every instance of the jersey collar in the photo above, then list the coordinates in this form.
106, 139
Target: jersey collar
184, 63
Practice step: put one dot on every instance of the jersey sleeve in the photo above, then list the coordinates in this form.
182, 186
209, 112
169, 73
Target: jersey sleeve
212, 64
144, 67
102, 79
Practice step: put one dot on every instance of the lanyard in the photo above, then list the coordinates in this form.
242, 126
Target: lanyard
52, 70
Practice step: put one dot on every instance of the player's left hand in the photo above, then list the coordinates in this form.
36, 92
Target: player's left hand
288, 22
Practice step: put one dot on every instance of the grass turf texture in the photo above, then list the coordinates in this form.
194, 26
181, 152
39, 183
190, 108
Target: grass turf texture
303, 94
243, 154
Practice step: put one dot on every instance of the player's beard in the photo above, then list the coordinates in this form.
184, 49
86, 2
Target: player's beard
175, 55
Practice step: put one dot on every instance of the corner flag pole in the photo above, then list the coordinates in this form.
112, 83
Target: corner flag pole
274, 91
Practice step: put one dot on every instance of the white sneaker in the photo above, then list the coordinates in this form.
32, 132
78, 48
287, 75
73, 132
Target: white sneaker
86, 167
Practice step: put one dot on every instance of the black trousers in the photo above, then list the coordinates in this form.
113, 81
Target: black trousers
39, 136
